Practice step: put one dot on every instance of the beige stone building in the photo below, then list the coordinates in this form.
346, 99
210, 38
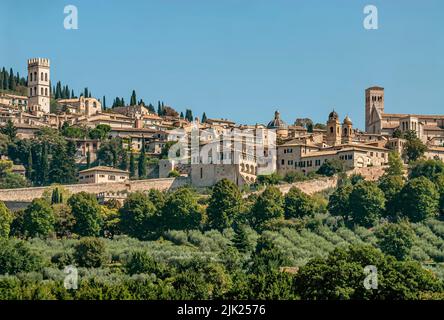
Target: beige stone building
39, 85
429, 128
81, 105
102, 174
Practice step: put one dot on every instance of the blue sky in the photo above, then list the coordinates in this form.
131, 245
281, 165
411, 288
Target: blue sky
238, 59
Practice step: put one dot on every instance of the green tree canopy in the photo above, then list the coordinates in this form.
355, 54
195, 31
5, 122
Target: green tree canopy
367, 203
182, 211
224, 205
90, 253
39, 218
138, 216
298, 204
395, 239
269, 205
419, 199
6, 218
86, 211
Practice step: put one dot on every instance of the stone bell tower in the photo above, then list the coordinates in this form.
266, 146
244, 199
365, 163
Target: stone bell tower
39, 84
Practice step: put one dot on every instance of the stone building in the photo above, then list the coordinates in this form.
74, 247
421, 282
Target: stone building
428, 128
39, 85
81, 105
101, 174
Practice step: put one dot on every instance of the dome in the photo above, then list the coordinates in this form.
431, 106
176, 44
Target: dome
347, 120
333, 115
276, 123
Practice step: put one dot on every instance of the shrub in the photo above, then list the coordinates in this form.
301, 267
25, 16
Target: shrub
90, 253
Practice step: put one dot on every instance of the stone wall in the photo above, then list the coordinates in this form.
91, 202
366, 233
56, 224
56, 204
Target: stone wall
311, 186
28, 194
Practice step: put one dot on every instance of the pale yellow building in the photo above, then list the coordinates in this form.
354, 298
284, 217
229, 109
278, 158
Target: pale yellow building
102, 174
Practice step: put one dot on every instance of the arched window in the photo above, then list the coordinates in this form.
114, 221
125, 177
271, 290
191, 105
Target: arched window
345, 130
30, 76
41, 91
46, 91
41, 76
331, 129
35, 91
35, 76
46, 77
30, 92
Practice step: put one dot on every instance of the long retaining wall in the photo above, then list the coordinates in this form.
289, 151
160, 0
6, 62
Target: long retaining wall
28, 194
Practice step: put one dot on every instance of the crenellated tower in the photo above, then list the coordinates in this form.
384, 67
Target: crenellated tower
39, 90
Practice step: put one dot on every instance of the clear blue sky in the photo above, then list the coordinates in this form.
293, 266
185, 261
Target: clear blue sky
238, 59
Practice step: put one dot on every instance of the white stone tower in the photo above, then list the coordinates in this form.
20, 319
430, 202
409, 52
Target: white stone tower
39, 90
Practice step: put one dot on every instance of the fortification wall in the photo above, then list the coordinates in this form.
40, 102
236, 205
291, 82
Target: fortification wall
28, 194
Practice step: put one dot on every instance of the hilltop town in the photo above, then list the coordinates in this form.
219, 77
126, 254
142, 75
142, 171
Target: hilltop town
132, 141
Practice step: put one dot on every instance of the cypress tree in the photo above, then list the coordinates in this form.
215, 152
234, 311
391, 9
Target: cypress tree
11, 80
132, 166
29, 165
88, 159
204, 118
104, 103
72, 94
133, 101
44, 168
142, 162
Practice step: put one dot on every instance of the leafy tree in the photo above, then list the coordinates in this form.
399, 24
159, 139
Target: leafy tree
100, 132
9, 130
39, 218
138, 216
413, 148
6, 219
90, 253
367, 203
269, 205
109, 151
419, 199
341, 276
392, 185
86, 211
395, 165
182, 211
269, 179
224, 205
439, 182
173, 174
141, 262
339, 201
298, 204
157, 197
8, 179
16, 257
426, 168
331, 167
268, 257
395, 239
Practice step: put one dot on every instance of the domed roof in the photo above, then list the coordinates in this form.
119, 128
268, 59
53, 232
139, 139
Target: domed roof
347, 120
333, 115
276, 123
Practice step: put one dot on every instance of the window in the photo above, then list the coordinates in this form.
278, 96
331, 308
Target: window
111, 177
201, 173
46, 91
46, 77
331, 129
41, 76
317, 163
30, 76
282, 161
41, 91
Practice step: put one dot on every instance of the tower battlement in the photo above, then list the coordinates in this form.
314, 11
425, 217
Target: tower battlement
41, 62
